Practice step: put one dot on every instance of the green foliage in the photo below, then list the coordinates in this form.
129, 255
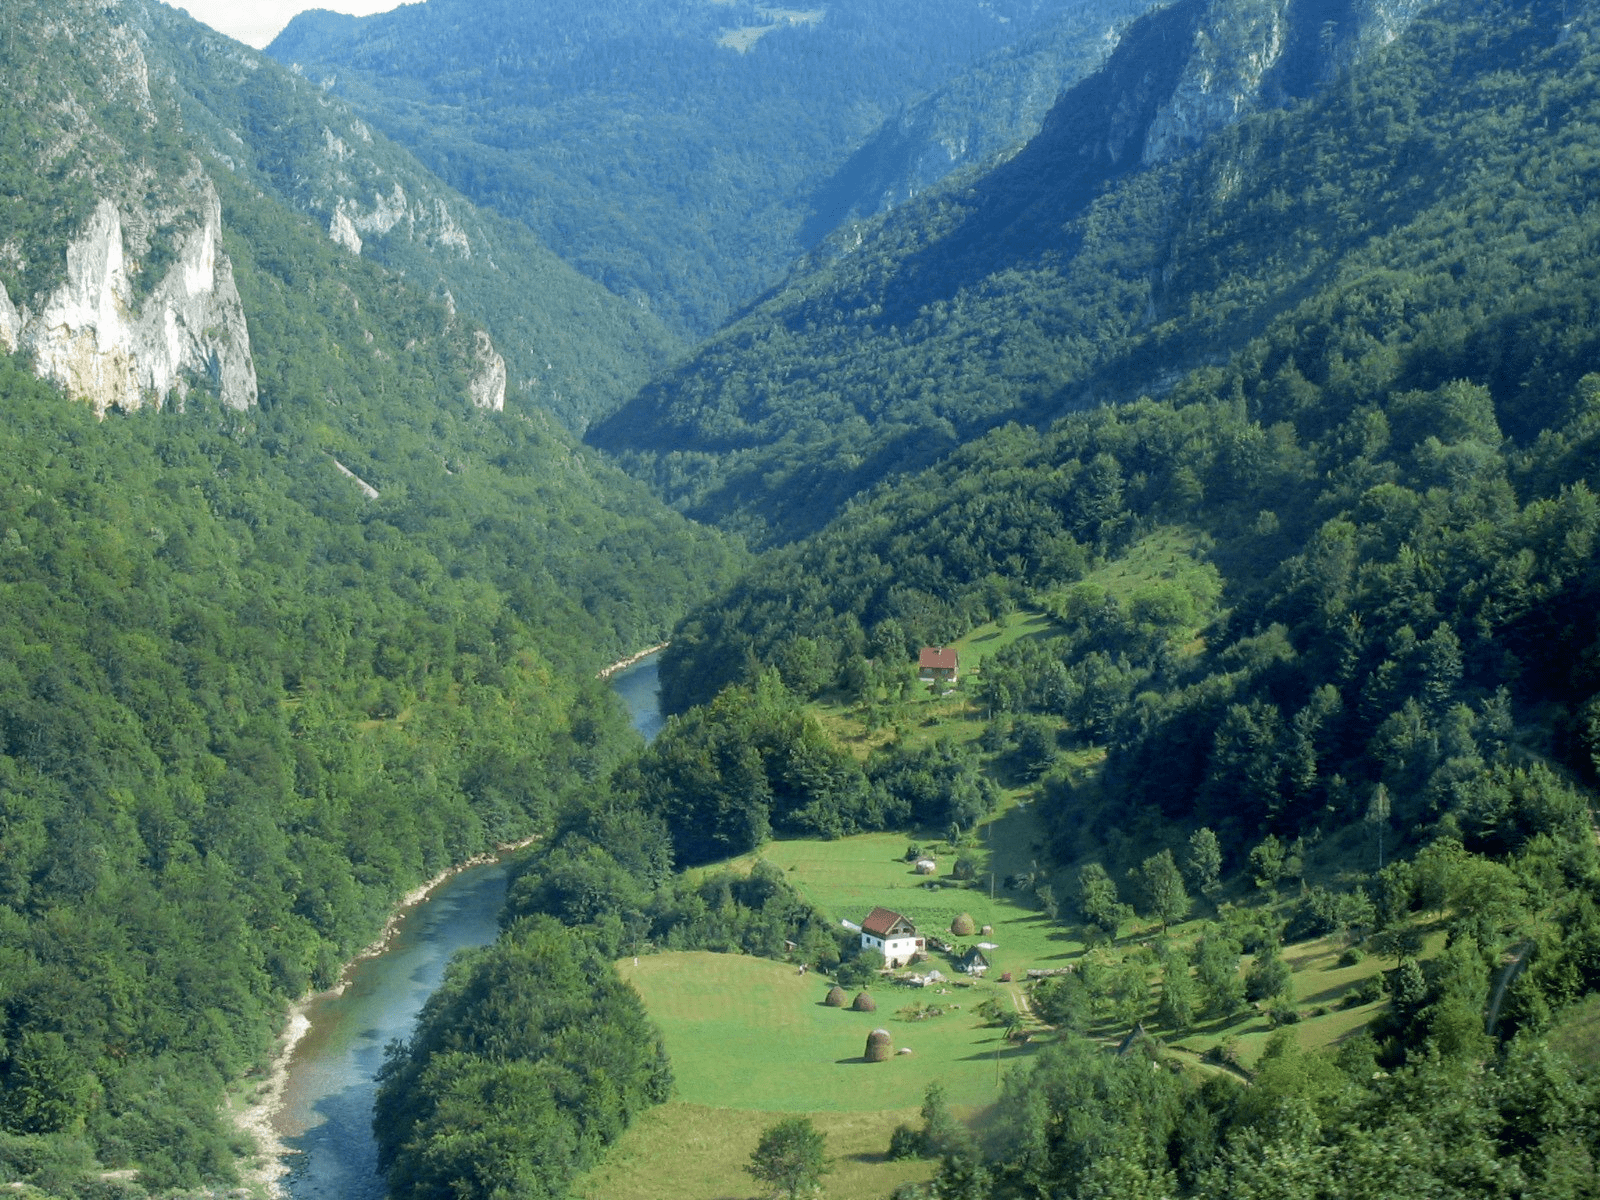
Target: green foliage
530, 1059
1162, 885
664, 161
790, 1158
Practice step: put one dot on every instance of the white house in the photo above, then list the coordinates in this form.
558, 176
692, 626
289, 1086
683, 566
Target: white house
892, 935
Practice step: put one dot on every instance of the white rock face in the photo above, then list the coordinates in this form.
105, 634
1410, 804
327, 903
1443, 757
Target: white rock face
1223, 76
343, 231
430, 224
488, 386
89, 339
1236, 46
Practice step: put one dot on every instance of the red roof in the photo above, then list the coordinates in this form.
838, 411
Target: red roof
937, 658
880, 922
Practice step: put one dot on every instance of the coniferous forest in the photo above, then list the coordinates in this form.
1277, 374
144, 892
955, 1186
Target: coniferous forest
1279, 431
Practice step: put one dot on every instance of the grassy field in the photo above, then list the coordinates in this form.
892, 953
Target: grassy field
753, 1034
683, 1151
751, 1039
847, 878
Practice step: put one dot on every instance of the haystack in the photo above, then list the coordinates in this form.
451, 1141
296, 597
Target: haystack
880, 1046
964, 925
836, 997
864, 1003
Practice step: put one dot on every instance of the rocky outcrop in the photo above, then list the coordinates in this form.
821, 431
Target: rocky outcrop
1247, 53
93, 338
488, 385
428, 223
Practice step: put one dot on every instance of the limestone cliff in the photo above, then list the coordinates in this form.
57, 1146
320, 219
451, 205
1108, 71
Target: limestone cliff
1246, 53
93, 337
488, 384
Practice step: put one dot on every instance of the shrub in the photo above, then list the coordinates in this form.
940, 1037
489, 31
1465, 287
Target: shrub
1268, 978
906, 1142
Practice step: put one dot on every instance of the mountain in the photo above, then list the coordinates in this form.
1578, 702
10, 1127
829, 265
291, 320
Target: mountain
303, 592
1288, 576
1324, 268
1019, 294
680, 153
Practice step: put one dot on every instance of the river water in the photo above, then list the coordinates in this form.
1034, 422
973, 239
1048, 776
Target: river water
326, 1118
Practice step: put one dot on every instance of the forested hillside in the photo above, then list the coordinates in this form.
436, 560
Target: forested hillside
1317, 609
571, 348
272, 655
1068, 277
683, 153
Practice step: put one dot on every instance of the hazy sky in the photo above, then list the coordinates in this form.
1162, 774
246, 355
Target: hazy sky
257, 22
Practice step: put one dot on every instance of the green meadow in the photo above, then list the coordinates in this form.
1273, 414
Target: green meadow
751, 1038
750, 1033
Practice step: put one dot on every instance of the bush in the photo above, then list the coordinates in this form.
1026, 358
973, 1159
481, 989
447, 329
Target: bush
1365, 992
1352, 956
906, 1142
860, 970
1269, 977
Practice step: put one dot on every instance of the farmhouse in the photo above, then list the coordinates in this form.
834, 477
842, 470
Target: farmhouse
892, 935
938, 664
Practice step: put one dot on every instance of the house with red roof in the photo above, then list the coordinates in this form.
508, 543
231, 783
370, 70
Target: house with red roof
892, 935
938, 664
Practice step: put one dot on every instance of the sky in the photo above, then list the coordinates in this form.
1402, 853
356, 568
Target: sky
257, 22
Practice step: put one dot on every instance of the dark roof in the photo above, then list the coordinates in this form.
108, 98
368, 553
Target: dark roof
880, 922
937, 658
974, 955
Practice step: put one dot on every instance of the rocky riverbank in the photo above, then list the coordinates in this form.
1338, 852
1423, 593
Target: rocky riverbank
259, 1118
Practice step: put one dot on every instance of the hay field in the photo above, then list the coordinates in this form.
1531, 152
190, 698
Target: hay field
682, 1151
750, 1033
750, 1039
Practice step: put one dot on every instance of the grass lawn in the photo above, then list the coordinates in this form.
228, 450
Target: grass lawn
847, 878
683, 1151
753, 1034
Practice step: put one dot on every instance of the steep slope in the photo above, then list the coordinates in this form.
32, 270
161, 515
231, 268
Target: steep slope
1394, 277
1013, 296
570, 347
294, 615
670, 151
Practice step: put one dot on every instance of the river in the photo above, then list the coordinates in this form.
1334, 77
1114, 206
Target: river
326, 1116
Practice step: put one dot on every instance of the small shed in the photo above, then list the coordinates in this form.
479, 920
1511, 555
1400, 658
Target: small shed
973, 962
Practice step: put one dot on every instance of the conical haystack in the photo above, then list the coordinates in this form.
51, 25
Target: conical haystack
880, 1047
865, 1003
964, 925
836, 997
